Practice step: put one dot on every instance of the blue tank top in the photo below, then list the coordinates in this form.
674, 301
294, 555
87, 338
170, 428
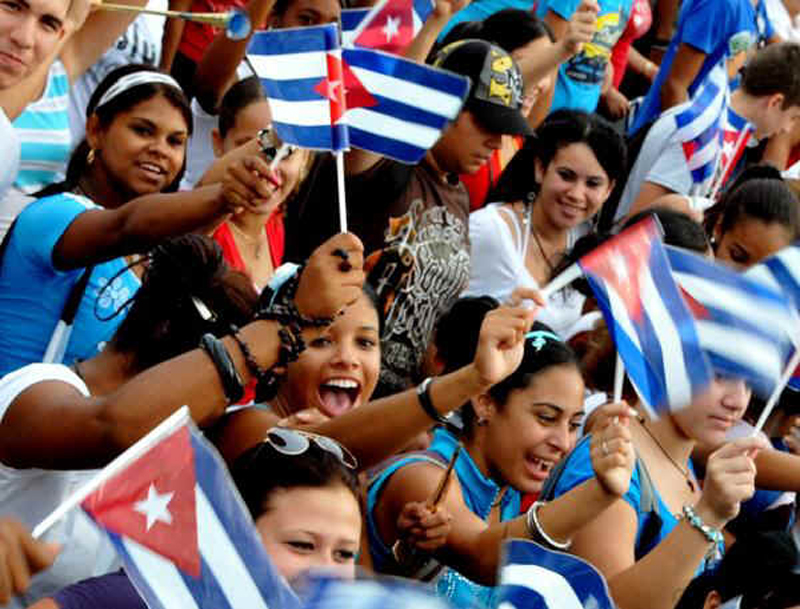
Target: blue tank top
479, 494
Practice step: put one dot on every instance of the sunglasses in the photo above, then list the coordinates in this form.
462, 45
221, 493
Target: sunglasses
295, 442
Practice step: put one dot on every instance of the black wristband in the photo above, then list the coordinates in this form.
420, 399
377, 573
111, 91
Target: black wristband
231, 381
424, 397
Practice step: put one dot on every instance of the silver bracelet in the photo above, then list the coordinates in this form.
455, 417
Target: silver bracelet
535, 529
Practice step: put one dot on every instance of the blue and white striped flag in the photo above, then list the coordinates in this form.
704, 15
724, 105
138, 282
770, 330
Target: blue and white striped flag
533, 577
746, 328
301, 72
182, 531
331, 593
329, 98
350, 19
781, 272
648, 319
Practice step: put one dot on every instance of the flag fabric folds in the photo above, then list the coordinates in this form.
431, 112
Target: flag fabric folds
182, 531
709, 132
650, 323
745, 327
301, 72
397, 107
333, 593
781, 272
325, 97
533, 577
391, 25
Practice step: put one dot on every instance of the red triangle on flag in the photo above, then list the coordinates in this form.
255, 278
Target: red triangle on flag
697, 310
152, 502
343, 88
391, 29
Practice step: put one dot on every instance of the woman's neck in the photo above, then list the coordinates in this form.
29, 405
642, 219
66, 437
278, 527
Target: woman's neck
544, 228
97, 185
476, 447
668, 439
251, 225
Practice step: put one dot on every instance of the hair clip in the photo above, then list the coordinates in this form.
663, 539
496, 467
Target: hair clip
538, 338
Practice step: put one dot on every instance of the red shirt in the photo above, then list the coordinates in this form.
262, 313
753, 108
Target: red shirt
197, 36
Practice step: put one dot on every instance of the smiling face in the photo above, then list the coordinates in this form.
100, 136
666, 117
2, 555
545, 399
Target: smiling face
535, 428
311, 528
708, 419
339, 368
573, 187
249, 121
749, 241
142, 150
29, 33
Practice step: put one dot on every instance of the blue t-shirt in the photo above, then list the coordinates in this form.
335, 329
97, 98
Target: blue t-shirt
579, 469
479, 493
33, 292
481, 9
110, 590
716, 28
581, 77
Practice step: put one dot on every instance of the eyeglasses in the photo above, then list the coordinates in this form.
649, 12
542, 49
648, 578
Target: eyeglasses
295, 442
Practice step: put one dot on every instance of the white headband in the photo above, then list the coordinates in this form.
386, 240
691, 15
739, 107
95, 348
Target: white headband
134, 80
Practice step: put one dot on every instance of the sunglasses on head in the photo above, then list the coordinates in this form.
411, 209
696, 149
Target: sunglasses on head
295, 442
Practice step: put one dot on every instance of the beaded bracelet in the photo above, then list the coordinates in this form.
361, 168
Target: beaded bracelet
535, 530
712, 535
231, 381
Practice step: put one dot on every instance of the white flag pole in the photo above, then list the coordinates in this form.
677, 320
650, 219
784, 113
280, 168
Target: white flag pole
284, 151
564, 279
776, 393
167, 426
619, 378
340, 187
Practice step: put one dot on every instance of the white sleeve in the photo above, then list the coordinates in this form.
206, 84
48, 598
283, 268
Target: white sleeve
14, 383
9, 153
493, 270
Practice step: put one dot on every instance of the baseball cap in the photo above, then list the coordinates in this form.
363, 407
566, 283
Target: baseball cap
495, 95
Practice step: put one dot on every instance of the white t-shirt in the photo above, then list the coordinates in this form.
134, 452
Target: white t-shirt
9, 153
29, 495
497, 267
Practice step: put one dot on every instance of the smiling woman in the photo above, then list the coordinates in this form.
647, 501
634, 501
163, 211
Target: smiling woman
546, 197
75, 240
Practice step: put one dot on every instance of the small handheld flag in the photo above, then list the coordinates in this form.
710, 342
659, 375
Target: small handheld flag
179, 526
533, 577
651, 326
746, 328
391, 25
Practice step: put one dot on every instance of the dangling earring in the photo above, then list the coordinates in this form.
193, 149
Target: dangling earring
90, 156
530, 197
481, 422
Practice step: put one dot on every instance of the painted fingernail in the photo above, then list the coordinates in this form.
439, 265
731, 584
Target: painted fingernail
340, 253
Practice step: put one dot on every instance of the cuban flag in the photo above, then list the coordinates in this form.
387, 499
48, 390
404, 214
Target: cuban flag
745, 327
781, 272
350, 20
388, 593
372, 100
533, 577
182, 531
650, 323
301, 72
391, 25
712, 135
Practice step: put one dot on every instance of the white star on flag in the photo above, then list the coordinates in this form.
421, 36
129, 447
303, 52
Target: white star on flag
392, 27
154, 507
620, 267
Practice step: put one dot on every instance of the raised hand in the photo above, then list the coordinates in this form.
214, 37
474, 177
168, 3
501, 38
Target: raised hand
332, 277
730, 479
612, 454
250, 185
501, 343
581, 27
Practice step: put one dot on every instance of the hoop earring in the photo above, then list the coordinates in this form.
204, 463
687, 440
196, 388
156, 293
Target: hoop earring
90, 156
481, 422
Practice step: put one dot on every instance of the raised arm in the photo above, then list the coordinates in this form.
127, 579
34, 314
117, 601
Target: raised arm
173, 32
51, 425
657, 580
682, 72
472, 546
102, 234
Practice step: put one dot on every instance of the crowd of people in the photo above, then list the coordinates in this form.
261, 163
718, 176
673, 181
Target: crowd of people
163, 247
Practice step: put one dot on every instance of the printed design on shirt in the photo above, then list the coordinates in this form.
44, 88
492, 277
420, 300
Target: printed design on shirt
589, 66
111, 297
420, 272
740, 42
